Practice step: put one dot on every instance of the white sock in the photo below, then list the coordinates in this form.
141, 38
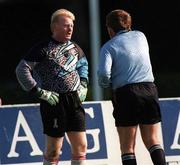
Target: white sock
78, 162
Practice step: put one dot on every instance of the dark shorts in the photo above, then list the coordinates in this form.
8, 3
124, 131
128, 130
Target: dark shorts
136, 104
68, 115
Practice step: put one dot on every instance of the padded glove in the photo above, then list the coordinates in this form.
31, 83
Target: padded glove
82, 90
51, 97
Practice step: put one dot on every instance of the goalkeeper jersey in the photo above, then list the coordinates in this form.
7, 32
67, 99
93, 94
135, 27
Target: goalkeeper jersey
53, 66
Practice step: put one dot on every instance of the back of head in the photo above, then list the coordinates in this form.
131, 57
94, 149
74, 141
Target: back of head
118, 20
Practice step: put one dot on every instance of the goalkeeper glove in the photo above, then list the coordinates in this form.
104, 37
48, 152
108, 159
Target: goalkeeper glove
51, 97
82, 90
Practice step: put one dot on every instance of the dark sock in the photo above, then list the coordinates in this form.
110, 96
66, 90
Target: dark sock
129, 159
157, 155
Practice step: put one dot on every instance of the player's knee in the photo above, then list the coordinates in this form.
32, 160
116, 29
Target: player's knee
82, 148
79, 150
127, 148
79, 154
150, 142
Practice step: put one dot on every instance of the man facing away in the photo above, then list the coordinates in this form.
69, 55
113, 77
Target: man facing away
124, 66
56, 72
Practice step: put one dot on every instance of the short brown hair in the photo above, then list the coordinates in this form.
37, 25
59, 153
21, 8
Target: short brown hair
118, 20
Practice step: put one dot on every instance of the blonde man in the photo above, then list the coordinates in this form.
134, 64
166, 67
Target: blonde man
56, 72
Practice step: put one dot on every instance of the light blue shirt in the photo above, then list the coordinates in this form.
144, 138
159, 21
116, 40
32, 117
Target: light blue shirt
125, 59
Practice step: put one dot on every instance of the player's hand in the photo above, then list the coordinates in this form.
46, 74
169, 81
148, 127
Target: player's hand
51, 97
82, 91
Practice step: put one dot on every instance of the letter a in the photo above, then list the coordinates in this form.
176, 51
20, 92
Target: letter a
175, 144
21, 121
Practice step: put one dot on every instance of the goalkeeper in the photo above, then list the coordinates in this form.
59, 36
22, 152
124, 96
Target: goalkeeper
56, 71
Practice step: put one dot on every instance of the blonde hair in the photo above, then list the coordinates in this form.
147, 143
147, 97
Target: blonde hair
61, 12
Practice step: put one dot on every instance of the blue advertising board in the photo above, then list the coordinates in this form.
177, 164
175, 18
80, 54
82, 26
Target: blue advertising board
22, 140
170, 109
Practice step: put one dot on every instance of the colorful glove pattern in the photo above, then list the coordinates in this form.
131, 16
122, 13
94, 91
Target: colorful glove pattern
82, 91
51, 97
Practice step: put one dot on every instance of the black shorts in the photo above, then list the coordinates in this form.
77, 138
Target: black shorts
136, 104
68, 115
